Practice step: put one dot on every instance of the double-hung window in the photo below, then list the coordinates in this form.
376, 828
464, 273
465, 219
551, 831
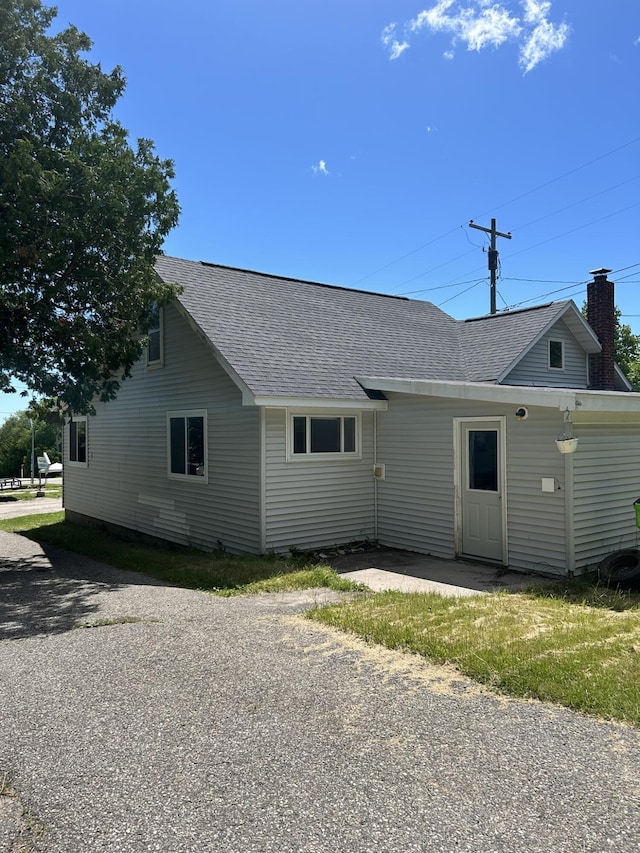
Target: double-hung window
155, 344
320, 436
78, 440
187, 441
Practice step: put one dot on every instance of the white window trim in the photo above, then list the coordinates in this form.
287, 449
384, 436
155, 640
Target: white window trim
189, 413
74, 462
554, 340
159, 362
321, 457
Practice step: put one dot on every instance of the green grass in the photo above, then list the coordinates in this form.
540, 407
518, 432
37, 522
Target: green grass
28, 493
217, 572
574, 645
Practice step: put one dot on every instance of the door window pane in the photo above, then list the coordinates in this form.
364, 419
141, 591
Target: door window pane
483, 460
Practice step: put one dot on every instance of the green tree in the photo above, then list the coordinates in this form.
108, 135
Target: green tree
83, 215
627, 349
15, 442
628, 352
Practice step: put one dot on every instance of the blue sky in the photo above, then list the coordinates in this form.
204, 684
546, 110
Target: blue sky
351, 141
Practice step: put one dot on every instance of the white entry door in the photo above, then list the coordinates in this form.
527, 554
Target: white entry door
481, 480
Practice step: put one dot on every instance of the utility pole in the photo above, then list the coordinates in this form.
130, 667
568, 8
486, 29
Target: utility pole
493, 256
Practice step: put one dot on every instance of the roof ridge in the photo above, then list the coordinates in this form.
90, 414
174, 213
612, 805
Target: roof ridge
514, 311
302, 281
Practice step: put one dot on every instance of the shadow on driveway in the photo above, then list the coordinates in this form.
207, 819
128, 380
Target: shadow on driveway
47, 590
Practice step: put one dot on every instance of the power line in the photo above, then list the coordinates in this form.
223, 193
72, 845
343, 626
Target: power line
505, 204
564, 175
433, 269
622, 269
466, 290
437, 287
573, 230
407, 255
576, 203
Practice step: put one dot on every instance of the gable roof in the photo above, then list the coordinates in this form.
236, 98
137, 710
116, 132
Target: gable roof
493, 345
288, 338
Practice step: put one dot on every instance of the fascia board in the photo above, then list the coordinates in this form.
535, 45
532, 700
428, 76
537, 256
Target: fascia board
622, 377
480, 391
315, 403
247, 393
571, 399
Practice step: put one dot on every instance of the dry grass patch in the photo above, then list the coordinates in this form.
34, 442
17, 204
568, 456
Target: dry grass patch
575, 647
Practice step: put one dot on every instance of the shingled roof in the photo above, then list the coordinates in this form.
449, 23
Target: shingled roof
289, 338
490, 345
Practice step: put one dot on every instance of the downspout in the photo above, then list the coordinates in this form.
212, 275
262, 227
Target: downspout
375, 479
569, 519
263, 482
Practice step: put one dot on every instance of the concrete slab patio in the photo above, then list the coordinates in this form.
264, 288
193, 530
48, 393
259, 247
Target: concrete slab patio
390, 569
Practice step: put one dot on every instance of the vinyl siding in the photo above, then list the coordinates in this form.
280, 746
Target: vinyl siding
606, 484
534, 368
416, 501
126, 481
316, 503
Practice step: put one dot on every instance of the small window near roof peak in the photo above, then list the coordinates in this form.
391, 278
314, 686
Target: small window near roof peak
556, 355
155, 337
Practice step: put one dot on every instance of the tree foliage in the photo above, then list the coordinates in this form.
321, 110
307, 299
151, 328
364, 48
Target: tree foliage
83, 215
15, 441
627, 349
627, 352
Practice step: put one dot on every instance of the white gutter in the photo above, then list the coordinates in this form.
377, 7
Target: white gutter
277, 402
571, 399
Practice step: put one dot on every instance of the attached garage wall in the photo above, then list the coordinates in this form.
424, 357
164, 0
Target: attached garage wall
606, 484
126, 481
416, 500
316, 503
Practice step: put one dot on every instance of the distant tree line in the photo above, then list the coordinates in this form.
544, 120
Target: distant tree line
15, 441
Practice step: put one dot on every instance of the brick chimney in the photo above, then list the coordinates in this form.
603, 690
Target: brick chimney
601, 318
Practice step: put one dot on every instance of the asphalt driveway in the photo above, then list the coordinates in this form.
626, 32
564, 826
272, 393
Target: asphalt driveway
236, 725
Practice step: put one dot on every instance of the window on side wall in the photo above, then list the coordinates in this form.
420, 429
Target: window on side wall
556, 355
187, 445
323, 436
78, 441
155, 345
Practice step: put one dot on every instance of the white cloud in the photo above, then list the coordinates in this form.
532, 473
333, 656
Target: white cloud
395, 47
321, 168
544, 39
479, 24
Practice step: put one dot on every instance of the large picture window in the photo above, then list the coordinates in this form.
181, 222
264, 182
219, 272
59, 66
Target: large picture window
321, 435
187, 439
78, 441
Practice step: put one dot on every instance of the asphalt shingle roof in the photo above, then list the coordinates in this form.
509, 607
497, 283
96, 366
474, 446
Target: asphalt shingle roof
285, 337
490, 344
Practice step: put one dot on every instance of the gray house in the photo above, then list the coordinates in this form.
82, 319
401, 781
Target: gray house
272, 413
